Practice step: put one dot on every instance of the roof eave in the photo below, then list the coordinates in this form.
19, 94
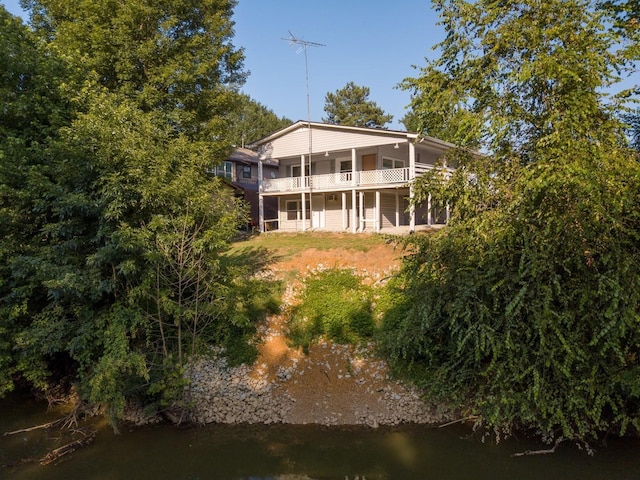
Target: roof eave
327, 126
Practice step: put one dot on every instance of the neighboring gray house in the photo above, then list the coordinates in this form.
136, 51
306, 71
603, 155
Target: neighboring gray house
341, 178
241, 169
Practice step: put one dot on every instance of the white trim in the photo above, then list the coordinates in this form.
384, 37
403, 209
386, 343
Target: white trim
303, 125
393, 163
345, 217
338, 164
354, 212
377, 211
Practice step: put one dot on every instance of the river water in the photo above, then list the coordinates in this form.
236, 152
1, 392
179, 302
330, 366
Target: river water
297, 453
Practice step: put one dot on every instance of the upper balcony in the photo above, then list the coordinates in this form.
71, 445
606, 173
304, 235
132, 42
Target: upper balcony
340, 181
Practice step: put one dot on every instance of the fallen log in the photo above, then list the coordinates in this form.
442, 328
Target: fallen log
54, 455
37, 427
459, 420
67, 421
544, 451
59, 452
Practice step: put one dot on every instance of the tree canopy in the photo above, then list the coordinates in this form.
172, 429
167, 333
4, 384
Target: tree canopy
251, 121
113, 230
350, 105
524, 311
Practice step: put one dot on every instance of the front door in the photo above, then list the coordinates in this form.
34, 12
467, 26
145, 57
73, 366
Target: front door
369, 162
317, 215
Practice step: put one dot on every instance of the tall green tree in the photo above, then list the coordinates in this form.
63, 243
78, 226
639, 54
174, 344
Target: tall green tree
32, 110
525, 310
350, 105
173, 56
250, 121
114, 273
453, 119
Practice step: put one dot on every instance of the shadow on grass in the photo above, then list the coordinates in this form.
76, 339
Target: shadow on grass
252, 297
252, 259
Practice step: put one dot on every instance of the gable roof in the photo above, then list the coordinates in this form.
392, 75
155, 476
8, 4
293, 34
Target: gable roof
249, 157
295, 139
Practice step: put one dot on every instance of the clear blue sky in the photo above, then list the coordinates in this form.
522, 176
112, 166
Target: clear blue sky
373, 43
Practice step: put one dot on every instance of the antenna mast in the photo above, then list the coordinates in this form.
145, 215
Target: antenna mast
303, 44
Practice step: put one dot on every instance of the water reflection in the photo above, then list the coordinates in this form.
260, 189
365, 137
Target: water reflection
309, 452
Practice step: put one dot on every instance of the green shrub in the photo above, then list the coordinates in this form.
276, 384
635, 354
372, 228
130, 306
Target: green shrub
527, 314
334, 303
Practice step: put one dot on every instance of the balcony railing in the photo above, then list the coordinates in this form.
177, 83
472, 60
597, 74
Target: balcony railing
332, 181
247, 181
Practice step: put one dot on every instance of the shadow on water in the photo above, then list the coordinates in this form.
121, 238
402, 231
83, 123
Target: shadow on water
303, 452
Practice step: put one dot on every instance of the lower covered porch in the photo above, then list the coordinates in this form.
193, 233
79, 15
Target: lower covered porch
363, 210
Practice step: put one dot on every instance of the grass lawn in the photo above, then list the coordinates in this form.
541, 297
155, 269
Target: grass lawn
286, 245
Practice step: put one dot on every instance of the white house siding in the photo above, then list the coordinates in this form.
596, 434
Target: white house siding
325, 141
335, 222
369, 211
323, 166
388, 210
405, 218
333, 212
284, 223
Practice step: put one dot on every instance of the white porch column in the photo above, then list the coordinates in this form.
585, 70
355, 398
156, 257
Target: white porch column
378, 216
448, 213
397, 209
412, 177
361, 211
412, 210
354, 211
344, 210
354, 162
304, 197
412, 161
429, 214
260, 198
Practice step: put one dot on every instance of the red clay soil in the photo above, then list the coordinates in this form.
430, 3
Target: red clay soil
332, 384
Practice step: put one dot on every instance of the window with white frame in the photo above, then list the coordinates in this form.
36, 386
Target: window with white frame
343, 165
224, 170
389, 163
294, 170
294, 210
246, 171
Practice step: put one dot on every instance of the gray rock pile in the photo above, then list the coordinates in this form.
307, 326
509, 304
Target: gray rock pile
360, 394
222, 394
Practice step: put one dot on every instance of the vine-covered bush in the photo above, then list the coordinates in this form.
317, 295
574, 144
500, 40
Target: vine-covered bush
526, 309
528, 315
334, 303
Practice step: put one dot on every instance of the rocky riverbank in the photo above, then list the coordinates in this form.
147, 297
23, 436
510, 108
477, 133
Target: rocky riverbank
332, 385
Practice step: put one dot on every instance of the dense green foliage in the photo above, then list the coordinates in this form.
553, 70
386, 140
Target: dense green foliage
351, 106
334, 303
113, 231
251, 121
524, 311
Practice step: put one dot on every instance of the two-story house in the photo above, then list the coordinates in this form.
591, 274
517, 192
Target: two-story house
341, 178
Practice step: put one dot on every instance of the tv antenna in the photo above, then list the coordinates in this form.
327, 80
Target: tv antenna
302, 47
